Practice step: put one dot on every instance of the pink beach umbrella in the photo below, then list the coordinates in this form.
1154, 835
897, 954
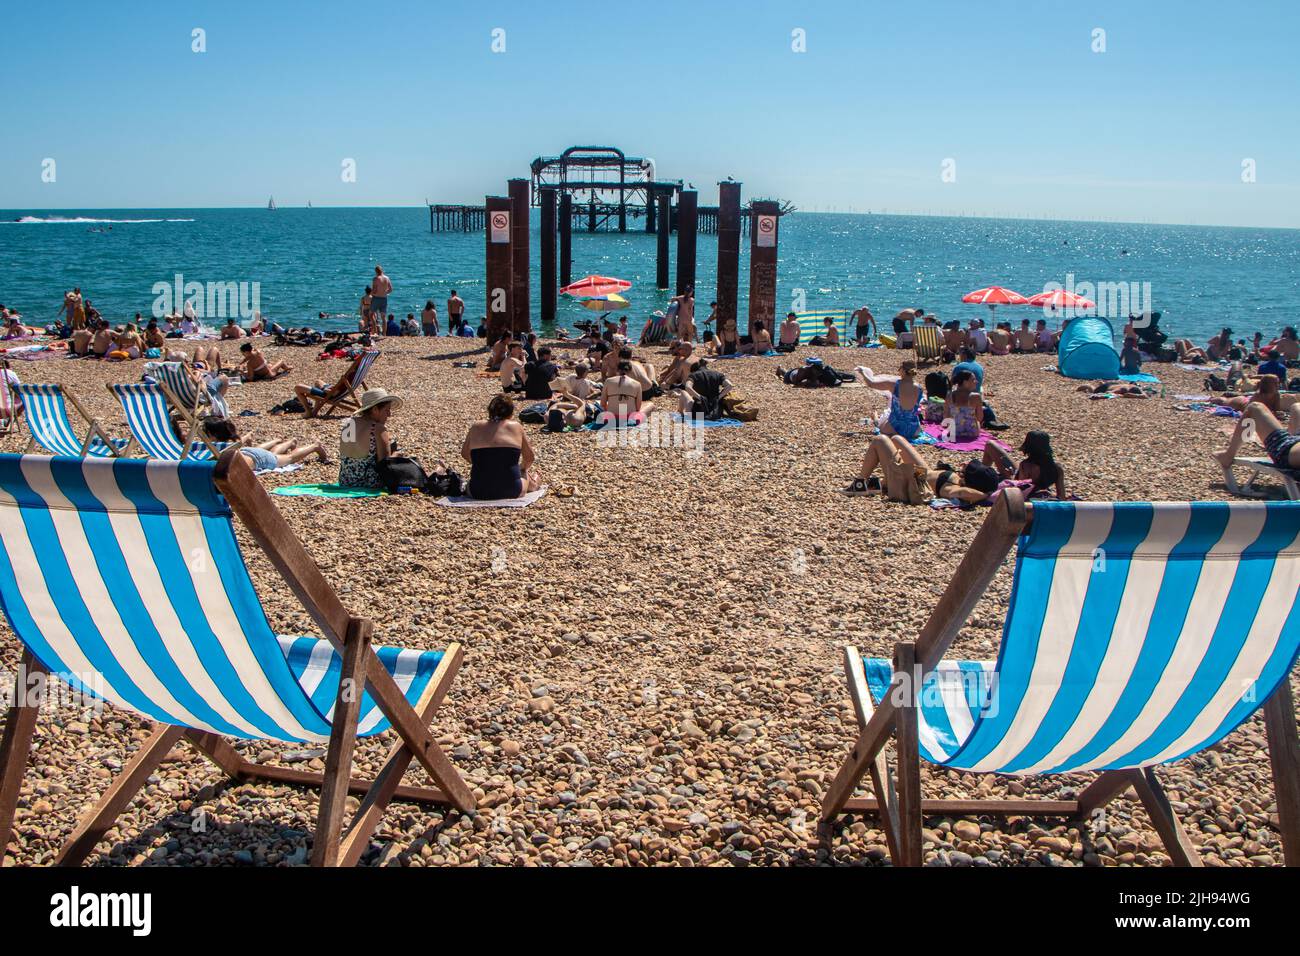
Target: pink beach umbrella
994, 296
1061, 299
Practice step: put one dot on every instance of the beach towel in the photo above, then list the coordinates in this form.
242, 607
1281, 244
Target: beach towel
740, 355
600, 426
296, 466
327, 491
1139, 377
936, 432
706, 423
464, 501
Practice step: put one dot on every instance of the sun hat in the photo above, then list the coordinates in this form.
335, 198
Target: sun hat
377, 396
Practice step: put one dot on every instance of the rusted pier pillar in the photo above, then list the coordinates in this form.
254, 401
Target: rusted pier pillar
763, 230
728, 251
499, 266
661, 245
521, 319
687, 203
566, 239
548, 255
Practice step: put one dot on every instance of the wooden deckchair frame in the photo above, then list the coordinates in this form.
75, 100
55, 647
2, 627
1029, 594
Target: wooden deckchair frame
95, 428
350, 635
897, 789
347, 400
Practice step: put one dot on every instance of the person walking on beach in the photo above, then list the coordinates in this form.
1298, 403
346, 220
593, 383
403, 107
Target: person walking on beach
429, 318
380, 290
455, 313
686, 315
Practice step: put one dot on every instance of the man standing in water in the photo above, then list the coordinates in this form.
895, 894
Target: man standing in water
455, 313
380, 289
865, 323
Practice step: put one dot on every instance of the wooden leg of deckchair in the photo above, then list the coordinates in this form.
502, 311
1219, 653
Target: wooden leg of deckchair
250, 500
909, 756
123, 790
1172, 834
882, 779
343, 741
16, 744
1284, 755
376, 801
1102, 791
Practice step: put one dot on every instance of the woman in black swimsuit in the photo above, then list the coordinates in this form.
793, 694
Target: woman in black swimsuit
500, 457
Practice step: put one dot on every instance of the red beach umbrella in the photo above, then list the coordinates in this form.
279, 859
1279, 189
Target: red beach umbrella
596, 285
994, 296
1061, 299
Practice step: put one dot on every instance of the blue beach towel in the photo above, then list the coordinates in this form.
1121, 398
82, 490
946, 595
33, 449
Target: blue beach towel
706, 423
1139, 377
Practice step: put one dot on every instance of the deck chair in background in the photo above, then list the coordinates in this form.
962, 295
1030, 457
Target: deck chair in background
181, 390
1258, 467
149, 420
1138, 634
50, 428
345, 395
124, 578
927, 341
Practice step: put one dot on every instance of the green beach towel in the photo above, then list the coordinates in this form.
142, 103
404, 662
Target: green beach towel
326, 491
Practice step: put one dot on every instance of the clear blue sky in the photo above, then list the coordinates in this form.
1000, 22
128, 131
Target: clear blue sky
1155, 128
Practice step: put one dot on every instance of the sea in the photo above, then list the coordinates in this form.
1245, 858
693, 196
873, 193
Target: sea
292, 264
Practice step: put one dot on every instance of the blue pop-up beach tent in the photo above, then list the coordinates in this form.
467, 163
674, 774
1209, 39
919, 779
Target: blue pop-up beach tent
1087, 349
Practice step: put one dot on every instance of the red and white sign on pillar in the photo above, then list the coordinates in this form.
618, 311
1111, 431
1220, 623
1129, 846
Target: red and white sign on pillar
500, 227
766, 231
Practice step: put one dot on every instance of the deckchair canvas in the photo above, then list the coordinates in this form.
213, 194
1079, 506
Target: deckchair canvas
8, 410
928, 343
1137, 634
149, 421
156, 613
45, 408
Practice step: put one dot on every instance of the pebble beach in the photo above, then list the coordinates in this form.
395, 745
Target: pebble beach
653, 672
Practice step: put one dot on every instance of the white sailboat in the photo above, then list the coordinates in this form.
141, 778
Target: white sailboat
271, 205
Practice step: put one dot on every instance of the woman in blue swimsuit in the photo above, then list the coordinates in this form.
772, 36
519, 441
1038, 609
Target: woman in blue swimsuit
904, 405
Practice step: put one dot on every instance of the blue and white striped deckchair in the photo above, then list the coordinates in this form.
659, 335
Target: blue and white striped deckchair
124, 579
1137, 634
178, 386
50, 428
149, 421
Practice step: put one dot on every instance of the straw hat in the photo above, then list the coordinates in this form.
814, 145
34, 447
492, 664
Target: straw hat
377, 396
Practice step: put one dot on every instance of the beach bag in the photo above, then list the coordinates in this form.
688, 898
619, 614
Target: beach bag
936, 384
534, 414
1216, 383
446, 484
401, 472
735, 405
916, 490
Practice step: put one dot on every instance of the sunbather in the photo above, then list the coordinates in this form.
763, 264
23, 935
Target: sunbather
316, 396
501, 460
255, 368
905, 398
909, 478
1189, 354
1266, 392
281, 453
965, 406
622, 398
365, 442
703, 392
1281, 443
1122, 389
1039, 465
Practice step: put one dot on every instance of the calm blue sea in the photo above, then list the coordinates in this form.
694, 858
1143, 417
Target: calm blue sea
306, 261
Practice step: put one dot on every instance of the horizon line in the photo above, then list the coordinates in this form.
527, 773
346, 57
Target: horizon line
896, 215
